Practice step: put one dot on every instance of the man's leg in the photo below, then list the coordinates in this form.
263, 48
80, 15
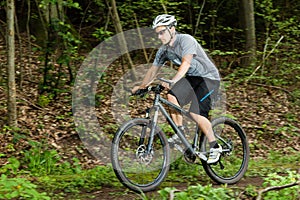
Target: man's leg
177, 117
205, 126
202, 105
178, 120
179, 95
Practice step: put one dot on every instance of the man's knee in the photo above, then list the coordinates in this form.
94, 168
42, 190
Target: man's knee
172, 98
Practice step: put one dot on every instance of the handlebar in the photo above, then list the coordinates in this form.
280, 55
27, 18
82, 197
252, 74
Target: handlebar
157, 89
166, 80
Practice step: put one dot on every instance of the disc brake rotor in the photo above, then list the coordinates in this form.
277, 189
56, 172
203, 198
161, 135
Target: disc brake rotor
143, 156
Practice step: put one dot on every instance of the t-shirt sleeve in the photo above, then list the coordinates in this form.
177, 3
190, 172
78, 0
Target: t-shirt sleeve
160, 58
189, 45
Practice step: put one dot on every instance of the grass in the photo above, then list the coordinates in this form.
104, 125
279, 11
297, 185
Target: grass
275, 161
69, 179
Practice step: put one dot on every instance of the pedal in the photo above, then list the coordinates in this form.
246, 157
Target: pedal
189, 157
201, 156
178, 147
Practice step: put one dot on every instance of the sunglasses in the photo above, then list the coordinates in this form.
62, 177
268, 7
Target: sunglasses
161, 32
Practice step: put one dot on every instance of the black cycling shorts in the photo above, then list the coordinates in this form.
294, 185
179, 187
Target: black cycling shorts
197, 90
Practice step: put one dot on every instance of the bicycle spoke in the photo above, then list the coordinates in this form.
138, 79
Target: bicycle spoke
135, 166
235, 155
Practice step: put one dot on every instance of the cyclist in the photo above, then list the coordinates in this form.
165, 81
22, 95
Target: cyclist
196, 80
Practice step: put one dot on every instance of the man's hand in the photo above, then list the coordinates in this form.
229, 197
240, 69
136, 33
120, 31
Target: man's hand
136, 88
168, 86
150, 75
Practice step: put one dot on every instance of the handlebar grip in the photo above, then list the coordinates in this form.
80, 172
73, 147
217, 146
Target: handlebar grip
141, 92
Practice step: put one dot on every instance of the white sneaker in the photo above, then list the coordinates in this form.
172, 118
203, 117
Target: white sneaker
214, 155
174, 140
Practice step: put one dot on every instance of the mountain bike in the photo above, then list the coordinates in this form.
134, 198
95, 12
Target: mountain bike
140, 152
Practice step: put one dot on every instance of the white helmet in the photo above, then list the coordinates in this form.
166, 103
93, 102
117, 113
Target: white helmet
164, 20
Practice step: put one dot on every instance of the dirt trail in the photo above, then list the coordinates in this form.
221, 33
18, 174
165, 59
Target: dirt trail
109, 193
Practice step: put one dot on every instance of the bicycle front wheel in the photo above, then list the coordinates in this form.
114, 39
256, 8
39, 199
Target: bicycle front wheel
235, 156
137, 167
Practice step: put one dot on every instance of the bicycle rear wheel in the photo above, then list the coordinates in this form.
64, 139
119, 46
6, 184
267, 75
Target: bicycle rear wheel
235, 156
137, 169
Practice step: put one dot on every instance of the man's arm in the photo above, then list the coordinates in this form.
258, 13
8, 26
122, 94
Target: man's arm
182, 70
149, 77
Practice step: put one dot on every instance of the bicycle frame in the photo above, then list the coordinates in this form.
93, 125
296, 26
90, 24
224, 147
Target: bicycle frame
129, 159
158, 106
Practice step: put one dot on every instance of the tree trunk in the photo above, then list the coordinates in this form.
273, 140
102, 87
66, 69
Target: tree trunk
249, 27
11, 84
122, 40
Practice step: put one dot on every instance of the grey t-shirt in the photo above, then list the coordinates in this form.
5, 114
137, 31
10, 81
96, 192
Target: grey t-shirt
185, 44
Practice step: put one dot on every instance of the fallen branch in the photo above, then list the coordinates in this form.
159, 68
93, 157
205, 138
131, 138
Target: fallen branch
19, 96
260, 193
172, 193
273, 87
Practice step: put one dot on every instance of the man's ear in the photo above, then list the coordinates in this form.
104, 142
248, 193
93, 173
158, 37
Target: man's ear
172, 29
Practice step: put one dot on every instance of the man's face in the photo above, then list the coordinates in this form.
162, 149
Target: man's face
163, 34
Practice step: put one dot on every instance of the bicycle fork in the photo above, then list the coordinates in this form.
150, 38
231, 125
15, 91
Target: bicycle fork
152, 128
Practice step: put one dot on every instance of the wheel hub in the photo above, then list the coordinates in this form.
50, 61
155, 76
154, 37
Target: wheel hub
143, 156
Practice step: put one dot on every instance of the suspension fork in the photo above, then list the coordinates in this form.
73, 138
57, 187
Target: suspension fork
144, 129
153, 123
153, 127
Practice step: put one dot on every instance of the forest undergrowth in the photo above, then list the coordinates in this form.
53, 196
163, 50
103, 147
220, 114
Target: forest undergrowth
47, 136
